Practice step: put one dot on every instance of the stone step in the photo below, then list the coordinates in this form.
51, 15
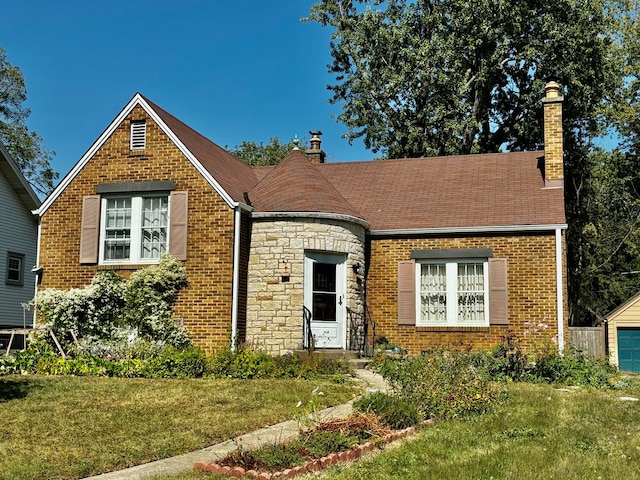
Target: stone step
330, 353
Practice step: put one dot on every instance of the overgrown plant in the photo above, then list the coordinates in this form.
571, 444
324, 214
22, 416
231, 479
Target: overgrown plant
507, 362
395, 412
111, 312
440, 384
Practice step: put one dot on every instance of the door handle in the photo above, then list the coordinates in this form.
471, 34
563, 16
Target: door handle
340, 300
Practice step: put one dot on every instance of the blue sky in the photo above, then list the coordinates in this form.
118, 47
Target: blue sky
234, 71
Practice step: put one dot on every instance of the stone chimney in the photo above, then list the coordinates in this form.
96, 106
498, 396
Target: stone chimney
315, 153
553, 145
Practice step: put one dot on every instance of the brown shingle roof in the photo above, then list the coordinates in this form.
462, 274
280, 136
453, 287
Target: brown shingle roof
456, 192
296, 185
449, 192
233, 175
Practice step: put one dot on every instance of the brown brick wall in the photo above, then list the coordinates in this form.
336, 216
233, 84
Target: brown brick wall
553, 142
531, 278
205, 306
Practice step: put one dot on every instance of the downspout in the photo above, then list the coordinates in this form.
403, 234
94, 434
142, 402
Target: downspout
236, 274
38, 271
559, 290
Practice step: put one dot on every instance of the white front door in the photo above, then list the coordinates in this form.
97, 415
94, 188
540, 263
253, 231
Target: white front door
324, 296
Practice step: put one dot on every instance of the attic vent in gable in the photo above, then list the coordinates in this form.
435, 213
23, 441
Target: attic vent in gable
138, 134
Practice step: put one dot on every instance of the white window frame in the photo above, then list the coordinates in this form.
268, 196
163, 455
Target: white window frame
451, 276
19, 257
135, 249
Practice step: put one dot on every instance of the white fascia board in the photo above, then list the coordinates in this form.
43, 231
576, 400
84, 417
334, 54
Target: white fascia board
136, 100
466, 230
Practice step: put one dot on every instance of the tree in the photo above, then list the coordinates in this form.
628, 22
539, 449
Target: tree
609, 260
25, 146
440, 77
257, 154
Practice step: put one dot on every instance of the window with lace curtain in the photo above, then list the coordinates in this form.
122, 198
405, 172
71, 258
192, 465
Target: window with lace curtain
452, 293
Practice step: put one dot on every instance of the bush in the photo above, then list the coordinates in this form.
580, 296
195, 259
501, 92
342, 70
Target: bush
150, 362
440, 384
111, 311
573, 368
395, 412
246, 362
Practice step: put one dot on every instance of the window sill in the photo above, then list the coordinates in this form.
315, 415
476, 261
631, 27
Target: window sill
125, 266
453, 328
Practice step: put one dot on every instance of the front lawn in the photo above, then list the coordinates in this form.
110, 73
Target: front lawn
73, 427
540, 433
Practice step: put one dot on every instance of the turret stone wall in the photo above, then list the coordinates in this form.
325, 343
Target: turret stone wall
276, 275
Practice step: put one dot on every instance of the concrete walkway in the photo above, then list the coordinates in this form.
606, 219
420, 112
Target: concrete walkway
274, 433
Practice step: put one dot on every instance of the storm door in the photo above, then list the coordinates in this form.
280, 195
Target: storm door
324, 296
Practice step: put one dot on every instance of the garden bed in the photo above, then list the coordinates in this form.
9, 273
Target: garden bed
329, 443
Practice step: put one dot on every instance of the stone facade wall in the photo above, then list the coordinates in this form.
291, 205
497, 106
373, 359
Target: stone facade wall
278, 246
205, 306
531, 277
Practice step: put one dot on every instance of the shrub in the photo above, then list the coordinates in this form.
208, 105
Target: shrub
242, 363
440, 384
150, 296
505, 361
172, 362
573, 368
110, 311
395, 412
246, 362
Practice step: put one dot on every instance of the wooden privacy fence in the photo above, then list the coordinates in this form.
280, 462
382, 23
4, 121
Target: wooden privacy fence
588, 339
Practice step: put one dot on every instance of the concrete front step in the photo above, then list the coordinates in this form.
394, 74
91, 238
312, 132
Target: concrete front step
330, 353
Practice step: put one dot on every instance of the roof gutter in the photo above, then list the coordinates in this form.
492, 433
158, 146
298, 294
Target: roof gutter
456, 230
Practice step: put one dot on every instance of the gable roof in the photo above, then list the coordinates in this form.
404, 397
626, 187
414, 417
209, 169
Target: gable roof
228, 175
488, 192
296, 185
495, 192
233, 175
16, 179
622, 308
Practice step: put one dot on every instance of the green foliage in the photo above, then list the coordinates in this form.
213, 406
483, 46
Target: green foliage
246, 362
607, 245
282, 455
418, 78
110, 313
507, 362
25, 146
257, 154
440, 384
573, 368
395, 412
156, 362
150, 296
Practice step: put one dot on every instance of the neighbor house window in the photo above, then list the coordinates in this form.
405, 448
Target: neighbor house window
135, 229
138, 134
452, 293
15, 269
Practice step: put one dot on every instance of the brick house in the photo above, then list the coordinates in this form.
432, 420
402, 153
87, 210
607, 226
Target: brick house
457, 251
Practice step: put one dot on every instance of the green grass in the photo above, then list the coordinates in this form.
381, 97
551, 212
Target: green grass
540, 433
73, 427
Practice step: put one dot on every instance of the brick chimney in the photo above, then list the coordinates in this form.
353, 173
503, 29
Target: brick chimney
553, 146
315, 153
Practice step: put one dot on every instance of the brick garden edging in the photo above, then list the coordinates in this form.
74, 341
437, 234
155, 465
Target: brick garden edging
314, 465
